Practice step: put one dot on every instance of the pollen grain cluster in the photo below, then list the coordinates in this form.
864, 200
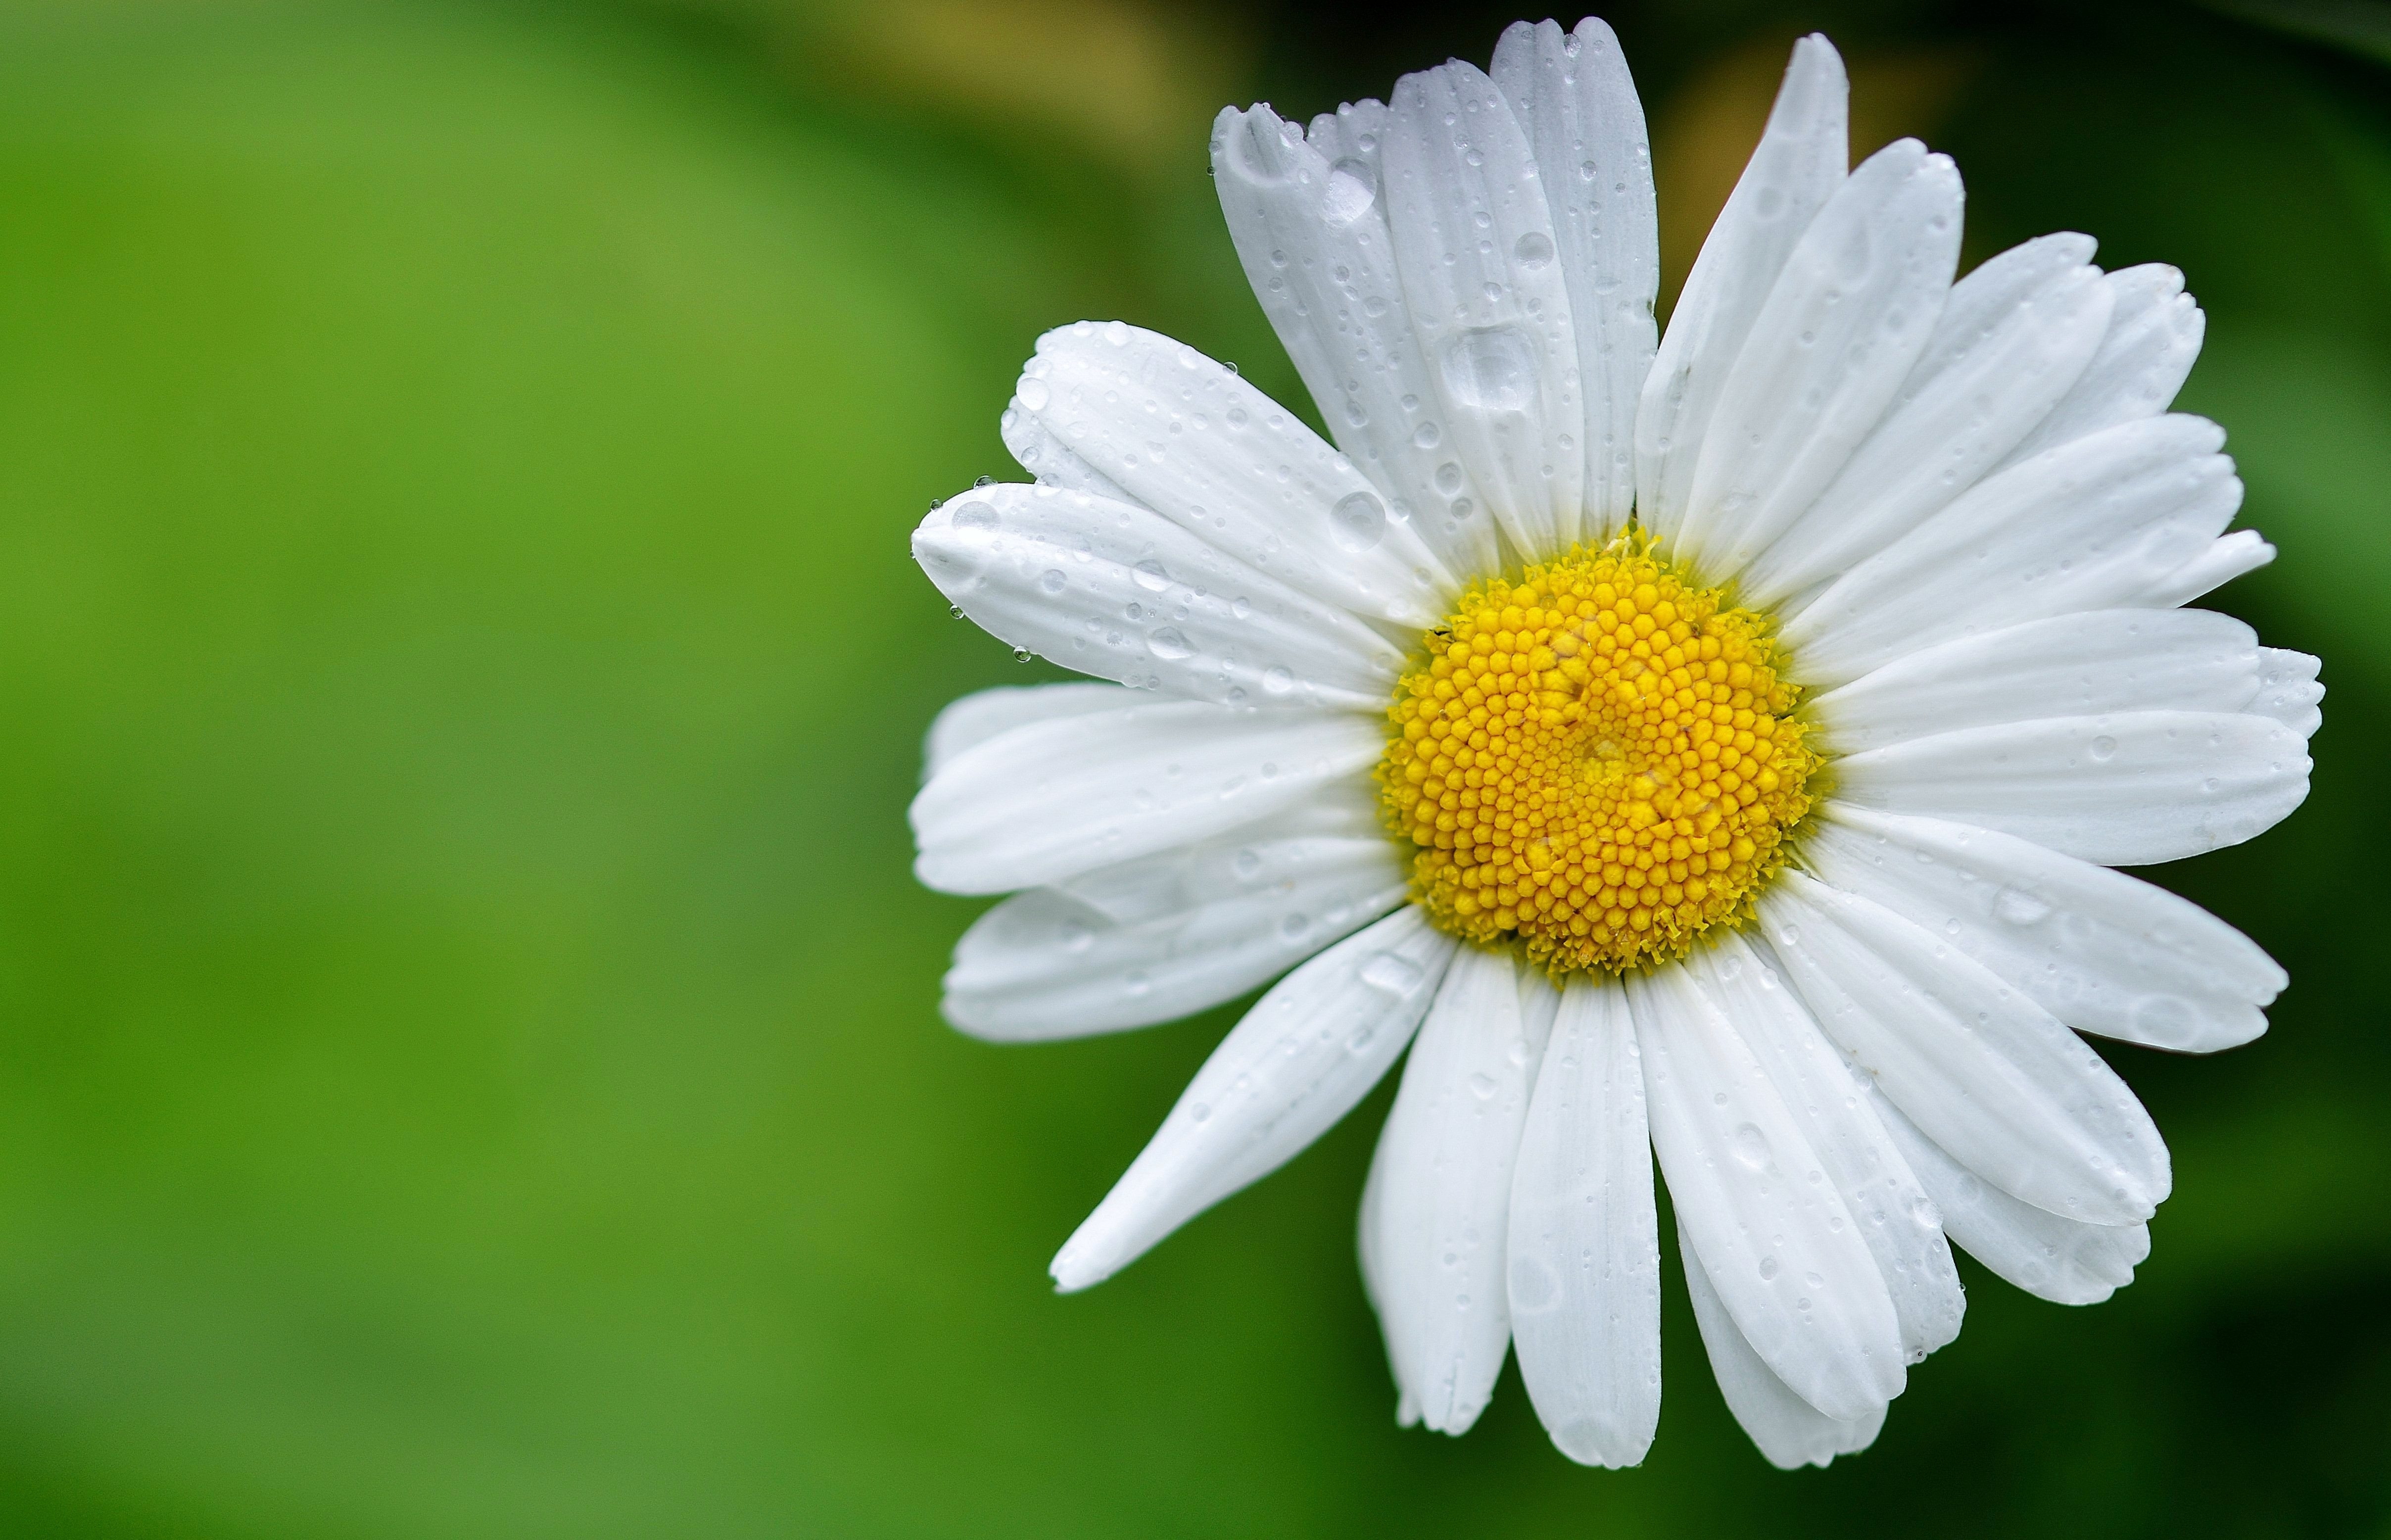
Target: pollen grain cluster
1596, 764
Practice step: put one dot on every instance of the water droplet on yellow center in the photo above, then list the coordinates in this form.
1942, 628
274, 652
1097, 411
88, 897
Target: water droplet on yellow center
1597, 764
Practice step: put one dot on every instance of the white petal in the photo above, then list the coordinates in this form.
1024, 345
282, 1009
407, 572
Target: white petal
1986, 1073
2102, 951
1585, 1239
1233, 914
1442, 1184
2132, 788
2064, 1260
2153, 337
970, 720
2289, 690
2217, 563
1801, 161
1789, 1431
1777, 1238
1474, 243
1302, 1057
2081, 665
1200, 446
1309, 224
1574, 95
2086, 527
2013, 335
1056, 799
1049, 461
1825, 1096
1119, 592
1849, 316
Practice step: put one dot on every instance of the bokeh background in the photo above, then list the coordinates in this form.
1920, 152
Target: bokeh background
469, 1062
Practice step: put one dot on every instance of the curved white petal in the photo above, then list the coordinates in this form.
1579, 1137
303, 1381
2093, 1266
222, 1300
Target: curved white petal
1302, 1057
1985, 1072
1119, 592
1474, 243
1216, 919
2102, 951
1574, 95
1849, 316
2289, 690
1200, 446
2015, 334
2217, 563
2086, 527
2154, 338
1800, 161
1443, 1185
1585, 1236
1778, 1240
1051, 462
2082, 665
1790, 1433
1053, 799
2064, 1260
1310, 223
970, 720
2130, 789
1826, 1098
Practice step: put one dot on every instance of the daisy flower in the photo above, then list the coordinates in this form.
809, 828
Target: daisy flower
1717, 747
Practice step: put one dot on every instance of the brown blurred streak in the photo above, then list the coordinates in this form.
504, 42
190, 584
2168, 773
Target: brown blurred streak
1706, 132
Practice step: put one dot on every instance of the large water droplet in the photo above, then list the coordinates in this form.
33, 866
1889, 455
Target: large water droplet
1391, 973
1169, 644
1492, 370
2015, 906
1033, 395
1052, 582
1358, 523
978, 515
1150, 575
1352, 191
2104, 748
1750, 1147
1532, 251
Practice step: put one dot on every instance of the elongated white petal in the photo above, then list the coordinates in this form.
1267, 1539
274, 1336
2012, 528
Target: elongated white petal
2064, 1260
2082, 665
1310, 220
2289, 690
1585, 1236
1574, 95
1444, 1189
1790, 1433
1777, 1238
2130, 789
2015, 334
2154, 338
1199, 445
2102, 951
2217, 563
1891, 1209
1985, 1072
1221, 917
1302, 1057
1049, 461
1474, 243
1838, 334
970, 720
1119, 592
2086, 527
1053, 799
1801, 161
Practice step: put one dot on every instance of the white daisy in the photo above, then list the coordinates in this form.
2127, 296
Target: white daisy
1718, 748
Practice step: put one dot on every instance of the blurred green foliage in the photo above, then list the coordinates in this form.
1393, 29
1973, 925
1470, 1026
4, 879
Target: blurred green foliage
470, 1064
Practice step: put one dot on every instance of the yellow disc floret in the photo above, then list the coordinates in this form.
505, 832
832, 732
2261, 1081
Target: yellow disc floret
1596, 762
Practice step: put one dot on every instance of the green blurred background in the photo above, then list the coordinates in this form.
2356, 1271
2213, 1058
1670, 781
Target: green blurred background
469, 1062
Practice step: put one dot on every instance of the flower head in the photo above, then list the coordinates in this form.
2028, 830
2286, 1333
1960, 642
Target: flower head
1714, 747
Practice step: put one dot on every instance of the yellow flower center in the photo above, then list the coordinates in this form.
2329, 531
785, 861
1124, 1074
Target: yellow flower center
1596, 762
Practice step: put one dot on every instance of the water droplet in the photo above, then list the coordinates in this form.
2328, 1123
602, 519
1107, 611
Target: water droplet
1052, 582
2015, 906
1391, 973
978, 515
1150, 575
1076, 937
1448, 478
1767, 1269
1428, 435
1358, 523
2104, 747
1482, 1086
1033, 395
1022, 654
1750, 1147
1199, 1112
1279, 680
1532, 251
1352, 191
1169, 644
1491, 370
1293, 926
984, 481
